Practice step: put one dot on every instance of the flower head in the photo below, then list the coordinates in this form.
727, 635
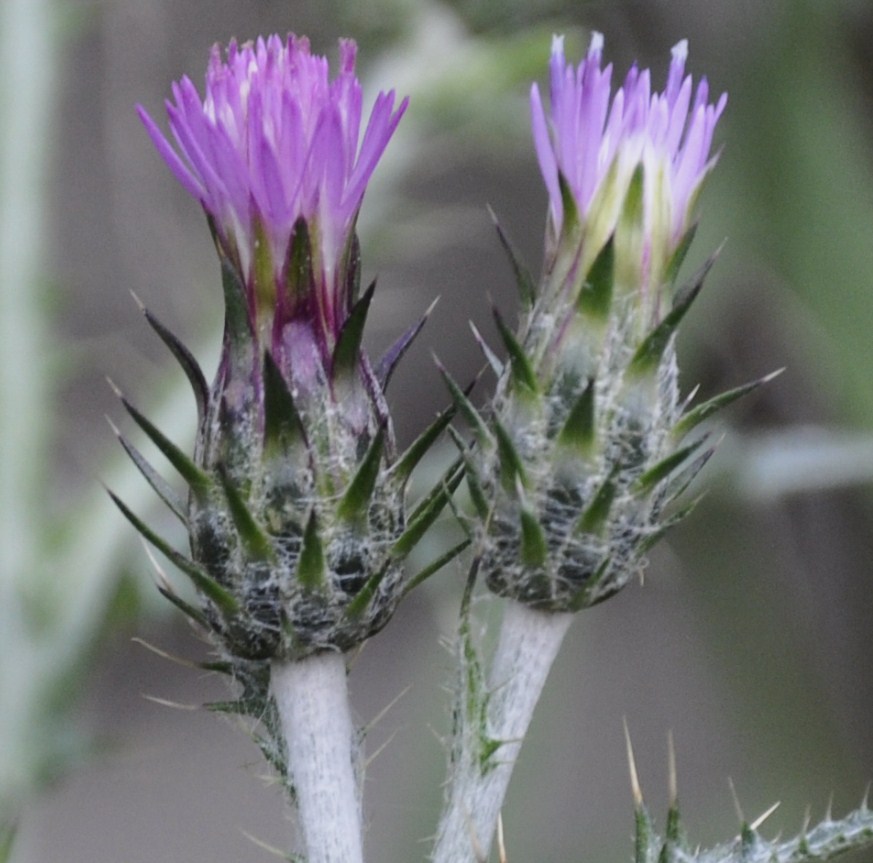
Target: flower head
296, 511
573, 472
595, 142
275, 145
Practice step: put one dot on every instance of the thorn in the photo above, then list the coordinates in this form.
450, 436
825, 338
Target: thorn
385, 710
166, 703
160, 574
739, 809
672, 781
632, 766
178, 660
115, 430
762, 818
830, 810
807, 817
866, 798
501, 845
270, 849
138, 301
114, 387
373, 756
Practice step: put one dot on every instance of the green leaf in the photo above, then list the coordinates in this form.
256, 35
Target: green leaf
161, 487
523, 279
223, 598
593, 519
406, 464
198, 481
490, 357
702, 412
648, 354
474, 485
311, 566
435, 566
282, 425
195, 614
578, 434
427, 512
238, 336
524, 379
362, 599
348, 344
254, 538
511, 466
300, 280
465, 406
666, 466
356, 500
184, 357
671, 272
595, 298
534, 548
568, 201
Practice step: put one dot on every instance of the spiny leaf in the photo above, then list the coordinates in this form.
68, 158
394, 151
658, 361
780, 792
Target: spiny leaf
435, 566
666, 466
255, 539
427, 512
568, 201
311, 566
649, 353
356, 500
162, 488
465, 406
348, 344
490, 357
362, 599
511, 466
197, 480
524, 378
697, 415
474, 486
282, 425
238, 337
593, 519
389, 360
583, 597
183, 356
523, 278
197, 616
671, 271
534, 548
406, 464
595, 298
300, 279
578, 433
204, 582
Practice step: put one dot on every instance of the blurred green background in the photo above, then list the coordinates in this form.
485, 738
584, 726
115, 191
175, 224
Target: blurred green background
750, 639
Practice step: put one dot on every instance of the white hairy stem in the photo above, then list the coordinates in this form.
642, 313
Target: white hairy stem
312, 698
528, 643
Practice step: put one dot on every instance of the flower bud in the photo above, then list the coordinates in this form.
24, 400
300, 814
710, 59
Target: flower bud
573, 473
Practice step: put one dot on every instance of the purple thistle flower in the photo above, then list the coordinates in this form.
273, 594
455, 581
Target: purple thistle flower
274, 142
594, 139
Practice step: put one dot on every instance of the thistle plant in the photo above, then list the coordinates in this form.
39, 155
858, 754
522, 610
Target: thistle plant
296, 505
295, 510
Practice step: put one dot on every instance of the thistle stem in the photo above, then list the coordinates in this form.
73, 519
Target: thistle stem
312, 699
528, 643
